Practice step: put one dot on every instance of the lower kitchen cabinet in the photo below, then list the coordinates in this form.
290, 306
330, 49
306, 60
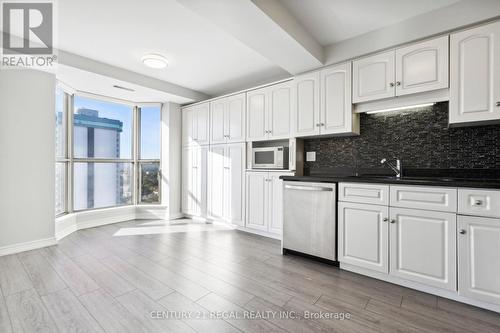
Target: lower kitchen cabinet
226, 183
423, 247
264, 201
194, 180
479, 258
363, 235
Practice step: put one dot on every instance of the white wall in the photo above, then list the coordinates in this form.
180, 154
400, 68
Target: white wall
171, 158
27, 148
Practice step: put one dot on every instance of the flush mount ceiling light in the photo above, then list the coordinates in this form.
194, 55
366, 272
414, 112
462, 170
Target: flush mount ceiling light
154, 61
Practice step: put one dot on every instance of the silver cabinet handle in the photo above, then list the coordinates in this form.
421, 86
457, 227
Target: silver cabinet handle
398, 83
385, 219
498, 103
393, 221
478, 203
391, 84
317, 125
321, 124
309, 188
462, 232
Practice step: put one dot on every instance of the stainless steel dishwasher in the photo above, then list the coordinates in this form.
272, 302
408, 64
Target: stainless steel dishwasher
309, 219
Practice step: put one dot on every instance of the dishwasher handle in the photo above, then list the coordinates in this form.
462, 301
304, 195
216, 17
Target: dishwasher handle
309, 188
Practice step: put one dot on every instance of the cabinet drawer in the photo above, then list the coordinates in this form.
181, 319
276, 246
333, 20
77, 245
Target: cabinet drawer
364, 193
430, 198
479, 202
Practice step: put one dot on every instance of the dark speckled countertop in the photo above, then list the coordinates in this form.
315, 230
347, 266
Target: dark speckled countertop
425, 177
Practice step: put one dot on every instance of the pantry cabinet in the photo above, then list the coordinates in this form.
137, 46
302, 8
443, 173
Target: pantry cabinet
227, 119
475, 75
195, 125
264, 201
322, 103
194, 180
268, 112
226, 183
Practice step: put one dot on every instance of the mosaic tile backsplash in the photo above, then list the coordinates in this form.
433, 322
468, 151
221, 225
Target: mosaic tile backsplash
420, 138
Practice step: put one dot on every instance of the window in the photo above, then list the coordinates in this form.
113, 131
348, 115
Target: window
149, 154
114, 158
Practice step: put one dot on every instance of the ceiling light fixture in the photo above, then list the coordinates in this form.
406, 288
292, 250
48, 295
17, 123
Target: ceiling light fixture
402, 108
154, 61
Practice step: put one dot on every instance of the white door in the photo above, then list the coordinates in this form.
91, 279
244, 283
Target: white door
188, 126
257, 200
256, 115
336, 102
363, 235
235, 118
423, 247
217, 120
202, 124
422, 67
479, 258
475, 74
373, 77
279, 110
276, 202
306, 104
216, 187
234, 184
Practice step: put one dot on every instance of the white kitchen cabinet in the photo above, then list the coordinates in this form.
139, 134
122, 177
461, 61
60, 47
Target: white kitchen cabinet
442, 199
194, 180
373, 77
479, 258
475, 75
195, 125
264, 201
227, 119
268, 112
423, 247
422, 67
322, 103
363, 235
226, 183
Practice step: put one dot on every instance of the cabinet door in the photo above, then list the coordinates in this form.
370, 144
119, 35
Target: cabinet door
257, 200
305, 105
202, 124
234, 184
235, 118
423, 247
217, 119
187, 181
363, 235
188, 126
479, 258
475, 74
336, 103
276, 202
216, 187
278, 112
256, 115
422, 67
373, 77
201, 183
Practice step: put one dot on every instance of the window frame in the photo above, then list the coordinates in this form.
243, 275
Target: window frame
66, 158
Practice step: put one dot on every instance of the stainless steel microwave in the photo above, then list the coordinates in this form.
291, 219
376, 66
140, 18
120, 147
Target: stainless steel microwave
269, 157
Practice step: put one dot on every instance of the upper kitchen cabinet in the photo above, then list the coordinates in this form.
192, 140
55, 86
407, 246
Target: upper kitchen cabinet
422, 67
408, 70
227, 119
475, 75
373, 77
268, 112
195, 125
322, 103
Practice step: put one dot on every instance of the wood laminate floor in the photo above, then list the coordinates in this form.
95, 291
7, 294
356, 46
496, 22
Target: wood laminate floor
156, 276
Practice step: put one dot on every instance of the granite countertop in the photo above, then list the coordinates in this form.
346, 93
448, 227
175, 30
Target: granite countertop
416, 177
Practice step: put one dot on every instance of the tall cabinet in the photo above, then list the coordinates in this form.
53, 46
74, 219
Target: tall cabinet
194, 180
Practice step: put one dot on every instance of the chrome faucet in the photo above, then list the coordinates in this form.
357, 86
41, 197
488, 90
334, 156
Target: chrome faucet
396, 168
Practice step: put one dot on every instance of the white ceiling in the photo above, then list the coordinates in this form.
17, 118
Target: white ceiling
202, 56
331, 21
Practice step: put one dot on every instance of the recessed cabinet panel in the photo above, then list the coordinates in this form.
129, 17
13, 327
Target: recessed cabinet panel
479, 258
374, 77
377, 194
475, 75
256, 115
279, 111
420, 197
202, 124
234, 121
422, 67
363, 235
479, 202
217, 115
257, 200
422, 247
306, 105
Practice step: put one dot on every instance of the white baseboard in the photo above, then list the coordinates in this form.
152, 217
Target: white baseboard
27, 246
